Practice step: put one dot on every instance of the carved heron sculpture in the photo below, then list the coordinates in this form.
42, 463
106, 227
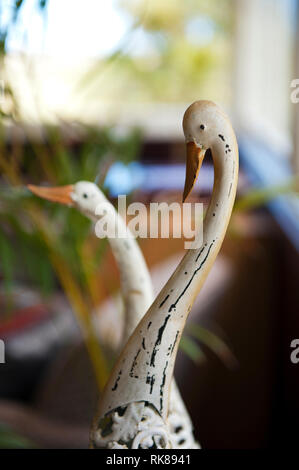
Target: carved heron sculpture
136, 286
133, 411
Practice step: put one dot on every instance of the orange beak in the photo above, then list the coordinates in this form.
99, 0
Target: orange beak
195, 156
61, 194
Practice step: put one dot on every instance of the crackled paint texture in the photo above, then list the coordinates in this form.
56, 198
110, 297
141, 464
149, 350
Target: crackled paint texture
144, 370
136, 287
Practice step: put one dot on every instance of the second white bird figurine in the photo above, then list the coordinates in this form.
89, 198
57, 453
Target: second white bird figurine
136, 287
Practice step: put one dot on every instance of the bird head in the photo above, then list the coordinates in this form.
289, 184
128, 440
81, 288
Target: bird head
83, 195
202, 124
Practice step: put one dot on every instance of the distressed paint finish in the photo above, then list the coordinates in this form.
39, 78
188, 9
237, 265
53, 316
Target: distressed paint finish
136, 284
135, 280
137, 291
144, 370
136, 426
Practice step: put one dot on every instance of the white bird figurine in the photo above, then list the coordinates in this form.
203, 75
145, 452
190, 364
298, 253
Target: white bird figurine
136, 286
134, 408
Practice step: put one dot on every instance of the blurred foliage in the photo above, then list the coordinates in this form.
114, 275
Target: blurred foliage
260, 197
33, 229
185, 53
14, 7
192, 349
9, 107
172, 15
10, 440
214, 343
173, 51
56, 163
37, 231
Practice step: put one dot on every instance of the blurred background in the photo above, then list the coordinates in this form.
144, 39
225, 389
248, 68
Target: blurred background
97, 90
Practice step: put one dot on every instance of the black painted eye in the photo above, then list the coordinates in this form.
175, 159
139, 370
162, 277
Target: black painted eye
85, 196
202, 127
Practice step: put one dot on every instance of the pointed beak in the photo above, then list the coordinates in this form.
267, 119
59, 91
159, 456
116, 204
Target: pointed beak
195, 156
61, 194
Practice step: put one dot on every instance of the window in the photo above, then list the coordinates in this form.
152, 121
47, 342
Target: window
264, 67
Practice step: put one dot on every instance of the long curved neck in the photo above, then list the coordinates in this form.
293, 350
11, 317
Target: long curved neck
136, 285
145, 367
